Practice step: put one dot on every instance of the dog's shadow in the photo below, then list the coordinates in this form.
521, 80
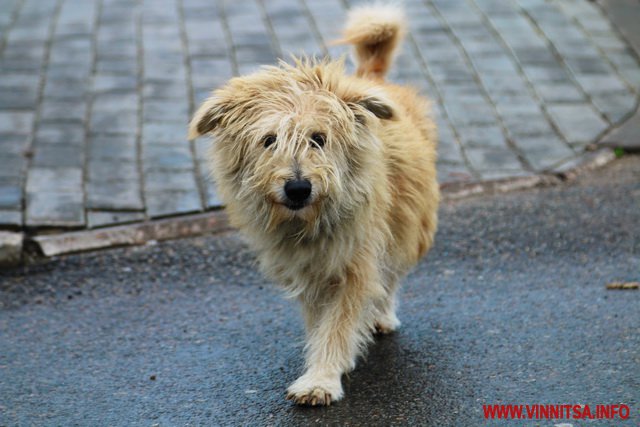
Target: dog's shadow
400, 382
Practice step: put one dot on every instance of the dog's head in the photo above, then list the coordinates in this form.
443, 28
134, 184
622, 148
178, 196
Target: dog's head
295, 146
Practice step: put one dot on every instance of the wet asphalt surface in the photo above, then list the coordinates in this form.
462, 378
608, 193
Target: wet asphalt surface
509, 307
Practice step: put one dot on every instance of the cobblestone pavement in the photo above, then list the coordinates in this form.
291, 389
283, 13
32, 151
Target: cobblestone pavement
95, 94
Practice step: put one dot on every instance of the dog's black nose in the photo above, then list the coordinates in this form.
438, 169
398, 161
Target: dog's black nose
298, 190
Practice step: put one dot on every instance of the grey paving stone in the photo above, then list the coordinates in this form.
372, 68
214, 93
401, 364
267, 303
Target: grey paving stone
16, 122
13, 144
601, 84
114, 122
161, 110
60, 133
167, 157
10, 196
74, 89
544, 152
114, 102
165, 89
114, 83
615, 106
10, 217
58, 156
97, 219
546, 73
59, 180
579, 123
18, 98
117, 66
114, 195
482, 136
527, 125
53, 110
448, 173
470, 114
170, 180
103, 170
164, 133
115, 147
213, 199
165, 203
12, 165
55, 209
559, 92
483, 158
73, 72
20, 80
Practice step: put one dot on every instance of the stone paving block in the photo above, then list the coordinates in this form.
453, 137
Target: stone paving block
165, 89
72, 89
547, 73
579, 123
10, 247
161, 110
120, 147
53, 110
105, 218
103, 170
165, 203
18, 98
170, 181
16, 122
117, 49
492, 158
60, 180
448, 173
615, 106
164, 133
114, 122
117, 66
13, 145
58, 156
528, 125
544, 152
12, 165
60, 133
489, 135
167, 157
113, 83
470, 114
72, 72
10, 196
55, 209
10, 217
114, 102
559, 92
114, 195
601, 84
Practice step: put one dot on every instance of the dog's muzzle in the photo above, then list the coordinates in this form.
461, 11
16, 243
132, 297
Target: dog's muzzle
298, 192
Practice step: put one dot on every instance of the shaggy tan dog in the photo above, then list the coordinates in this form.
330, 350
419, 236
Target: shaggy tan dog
332, 178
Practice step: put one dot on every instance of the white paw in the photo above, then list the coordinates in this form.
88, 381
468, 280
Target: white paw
315, 389
386, 324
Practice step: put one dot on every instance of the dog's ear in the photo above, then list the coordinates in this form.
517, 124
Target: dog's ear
378, 107
207, 117
377, 104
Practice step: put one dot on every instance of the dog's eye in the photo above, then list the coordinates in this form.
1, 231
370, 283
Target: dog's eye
318, 139
268, 140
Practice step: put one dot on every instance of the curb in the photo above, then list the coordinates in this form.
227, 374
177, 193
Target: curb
17, 248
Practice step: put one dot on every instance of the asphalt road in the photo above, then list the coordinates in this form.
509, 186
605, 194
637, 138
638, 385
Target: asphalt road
509, 307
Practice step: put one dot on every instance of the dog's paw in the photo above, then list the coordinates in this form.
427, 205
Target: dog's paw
386, 324
314, 390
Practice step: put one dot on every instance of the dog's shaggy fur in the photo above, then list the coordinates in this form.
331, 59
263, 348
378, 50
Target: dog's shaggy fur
367, 148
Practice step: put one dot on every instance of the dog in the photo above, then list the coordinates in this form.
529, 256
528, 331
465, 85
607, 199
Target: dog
332, 179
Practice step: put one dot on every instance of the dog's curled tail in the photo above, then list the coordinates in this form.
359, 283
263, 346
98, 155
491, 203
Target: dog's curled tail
375, 31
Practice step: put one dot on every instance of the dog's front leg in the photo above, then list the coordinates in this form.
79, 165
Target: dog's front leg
339, 325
